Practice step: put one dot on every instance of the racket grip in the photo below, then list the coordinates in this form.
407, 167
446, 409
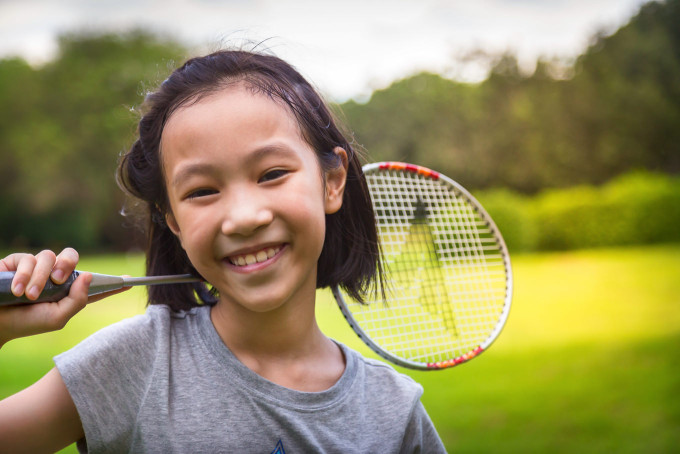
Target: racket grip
51, 292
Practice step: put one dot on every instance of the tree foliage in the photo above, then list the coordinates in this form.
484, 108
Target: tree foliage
64, 124
636, 208
619, 111
62, 128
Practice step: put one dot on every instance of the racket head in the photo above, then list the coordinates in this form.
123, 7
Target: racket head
448, 286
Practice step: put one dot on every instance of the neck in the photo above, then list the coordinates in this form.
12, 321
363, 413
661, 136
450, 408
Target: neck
288, 328
284, 345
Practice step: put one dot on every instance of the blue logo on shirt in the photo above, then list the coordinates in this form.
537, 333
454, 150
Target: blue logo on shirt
279, 448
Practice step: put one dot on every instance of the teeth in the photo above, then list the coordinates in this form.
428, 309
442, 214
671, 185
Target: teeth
258, 257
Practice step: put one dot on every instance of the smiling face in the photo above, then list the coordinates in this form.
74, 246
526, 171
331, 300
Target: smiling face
248, 198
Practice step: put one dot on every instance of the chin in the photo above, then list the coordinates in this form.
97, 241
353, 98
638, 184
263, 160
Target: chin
260, 304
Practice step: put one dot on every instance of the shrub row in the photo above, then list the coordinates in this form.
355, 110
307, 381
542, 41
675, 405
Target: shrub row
636, 208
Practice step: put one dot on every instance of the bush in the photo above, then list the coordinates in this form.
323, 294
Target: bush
636, 208
510, 213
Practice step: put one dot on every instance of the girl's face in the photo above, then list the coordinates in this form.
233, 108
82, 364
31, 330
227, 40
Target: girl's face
248, 198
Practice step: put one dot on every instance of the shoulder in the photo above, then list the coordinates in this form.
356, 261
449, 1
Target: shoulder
393, 401
133, 340
398, 396
109, 373
141, 328
382, 379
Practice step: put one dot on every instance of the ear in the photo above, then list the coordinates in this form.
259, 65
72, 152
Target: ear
172, 225
335, 182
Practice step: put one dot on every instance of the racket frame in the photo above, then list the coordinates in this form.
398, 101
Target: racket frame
459, 191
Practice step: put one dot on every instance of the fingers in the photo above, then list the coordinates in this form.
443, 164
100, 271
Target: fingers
73, 303
11, 263
23, 266
32, 271
65, 265
42, 267
27, 320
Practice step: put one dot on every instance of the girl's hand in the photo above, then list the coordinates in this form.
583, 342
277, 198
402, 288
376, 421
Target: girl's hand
32, 272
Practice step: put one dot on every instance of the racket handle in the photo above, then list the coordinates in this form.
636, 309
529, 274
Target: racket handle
51, 292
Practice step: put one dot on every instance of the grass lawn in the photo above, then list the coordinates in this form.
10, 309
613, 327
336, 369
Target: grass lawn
587, 363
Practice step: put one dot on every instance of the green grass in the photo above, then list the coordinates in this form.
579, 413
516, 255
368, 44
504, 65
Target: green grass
587, 363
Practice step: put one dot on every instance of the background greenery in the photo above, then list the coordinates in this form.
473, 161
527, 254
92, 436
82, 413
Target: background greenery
587, 362
577, 155
633, 208
612, 111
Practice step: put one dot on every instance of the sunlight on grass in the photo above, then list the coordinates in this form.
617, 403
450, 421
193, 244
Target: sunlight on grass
611, 295
587, 362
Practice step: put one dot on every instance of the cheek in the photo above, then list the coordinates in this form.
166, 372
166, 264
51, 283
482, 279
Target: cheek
311, 219
195, 235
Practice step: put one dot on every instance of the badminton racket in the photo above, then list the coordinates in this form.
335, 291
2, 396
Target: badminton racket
101, 283
448, 284
448, 279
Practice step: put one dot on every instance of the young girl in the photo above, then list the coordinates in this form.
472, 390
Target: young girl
250, 185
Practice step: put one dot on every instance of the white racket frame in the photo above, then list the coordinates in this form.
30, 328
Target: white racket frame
460, 191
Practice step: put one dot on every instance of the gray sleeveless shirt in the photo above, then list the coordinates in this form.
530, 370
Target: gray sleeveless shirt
164, 382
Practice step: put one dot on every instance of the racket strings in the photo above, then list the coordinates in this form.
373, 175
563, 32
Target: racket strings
419, 254
445, 267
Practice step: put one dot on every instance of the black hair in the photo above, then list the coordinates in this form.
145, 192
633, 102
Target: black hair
350, 257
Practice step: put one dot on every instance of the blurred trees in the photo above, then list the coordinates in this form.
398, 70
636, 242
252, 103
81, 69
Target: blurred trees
618, 110
62, 128
614, 110
634, 208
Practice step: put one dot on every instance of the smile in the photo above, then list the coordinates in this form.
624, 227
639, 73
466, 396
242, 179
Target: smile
254, 257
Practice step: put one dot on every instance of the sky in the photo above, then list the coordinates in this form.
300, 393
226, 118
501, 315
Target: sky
348, 48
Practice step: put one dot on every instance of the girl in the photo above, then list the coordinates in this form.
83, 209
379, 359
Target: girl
250, 185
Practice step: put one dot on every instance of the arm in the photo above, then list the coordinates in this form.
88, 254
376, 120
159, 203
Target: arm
41, 418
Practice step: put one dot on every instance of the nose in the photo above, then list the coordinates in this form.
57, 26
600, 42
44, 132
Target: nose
246, 212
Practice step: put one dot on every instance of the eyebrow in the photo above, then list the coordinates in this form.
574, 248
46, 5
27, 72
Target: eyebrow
271, 149
191, 170
202, 168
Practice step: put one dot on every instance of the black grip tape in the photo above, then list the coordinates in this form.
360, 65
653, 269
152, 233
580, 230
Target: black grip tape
51, 292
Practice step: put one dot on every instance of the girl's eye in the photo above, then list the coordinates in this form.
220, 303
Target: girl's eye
200, 193
272, 175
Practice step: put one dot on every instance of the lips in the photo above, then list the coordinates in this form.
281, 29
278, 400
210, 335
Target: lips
254, 257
